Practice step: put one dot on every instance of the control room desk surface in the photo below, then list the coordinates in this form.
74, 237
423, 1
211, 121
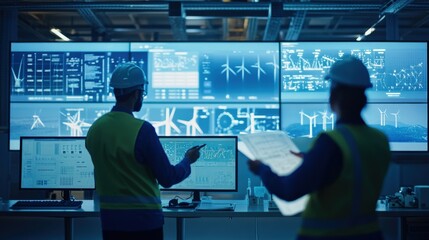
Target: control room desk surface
91, 209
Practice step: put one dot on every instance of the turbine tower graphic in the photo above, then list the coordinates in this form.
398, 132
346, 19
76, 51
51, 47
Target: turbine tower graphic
74, 122
192, 126
312, 123
382, 117
242, 68
275, 67
227, 69
168, 122
37, 122
18, 79
258, 67
396, 115
327, 119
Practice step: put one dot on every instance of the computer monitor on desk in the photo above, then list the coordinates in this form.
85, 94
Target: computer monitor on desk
215, 170
56, 163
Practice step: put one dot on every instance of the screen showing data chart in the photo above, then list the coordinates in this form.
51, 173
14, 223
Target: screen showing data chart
215, 170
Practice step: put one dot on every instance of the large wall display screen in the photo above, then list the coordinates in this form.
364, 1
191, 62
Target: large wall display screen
228, 88
220, 72
398, 70
397, 101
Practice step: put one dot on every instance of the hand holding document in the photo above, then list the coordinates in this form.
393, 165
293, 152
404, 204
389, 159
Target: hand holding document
274, 150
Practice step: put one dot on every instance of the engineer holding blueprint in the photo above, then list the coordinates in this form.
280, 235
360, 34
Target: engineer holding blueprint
342, 173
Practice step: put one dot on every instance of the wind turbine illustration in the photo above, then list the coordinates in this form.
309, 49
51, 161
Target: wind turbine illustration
37, 122
396, 115
258, 67
18, 79
275, 67
168, 122
382, 117
312, 122
75, 123
227, 69
242, 68
192, 126
325, 119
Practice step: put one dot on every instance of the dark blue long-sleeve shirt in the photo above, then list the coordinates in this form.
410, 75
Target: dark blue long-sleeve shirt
148, 151
320, 167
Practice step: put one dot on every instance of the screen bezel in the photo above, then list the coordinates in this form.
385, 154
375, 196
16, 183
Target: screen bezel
22, 138
235, 138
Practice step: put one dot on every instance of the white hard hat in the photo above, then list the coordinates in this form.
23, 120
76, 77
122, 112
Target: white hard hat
349, 71
128, 75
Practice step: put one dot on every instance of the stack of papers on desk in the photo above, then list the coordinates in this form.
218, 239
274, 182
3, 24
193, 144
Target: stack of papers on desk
273, 149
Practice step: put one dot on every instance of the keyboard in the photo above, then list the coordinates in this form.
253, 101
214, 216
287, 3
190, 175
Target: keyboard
47, 204
183, 205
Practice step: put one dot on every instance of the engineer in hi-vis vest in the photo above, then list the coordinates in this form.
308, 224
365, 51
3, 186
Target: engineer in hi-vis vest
130, 162
344, 170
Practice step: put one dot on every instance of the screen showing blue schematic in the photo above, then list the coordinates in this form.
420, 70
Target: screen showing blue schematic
397, 102
210, 71
60, 89
398, 70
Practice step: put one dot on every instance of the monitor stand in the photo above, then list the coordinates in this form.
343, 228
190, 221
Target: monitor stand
67, 195
196, 197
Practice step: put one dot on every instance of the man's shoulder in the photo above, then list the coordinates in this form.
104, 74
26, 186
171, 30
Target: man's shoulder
147, 126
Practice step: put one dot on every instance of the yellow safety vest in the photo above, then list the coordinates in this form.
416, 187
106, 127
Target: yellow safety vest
121, 181
347, 206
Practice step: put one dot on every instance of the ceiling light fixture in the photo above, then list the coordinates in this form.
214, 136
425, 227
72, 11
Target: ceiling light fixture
370, 30
58, 33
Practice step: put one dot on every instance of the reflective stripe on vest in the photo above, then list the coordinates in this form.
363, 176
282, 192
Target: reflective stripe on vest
357, 169
121, 181
354, 219
130, 202
130, 199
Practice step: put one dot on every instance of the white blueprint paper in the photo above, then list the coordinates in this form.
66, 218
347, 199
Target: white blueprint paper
273, 149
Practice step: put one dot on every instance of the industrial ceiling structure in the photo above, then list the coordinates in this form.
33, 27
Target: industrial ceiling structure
253, 20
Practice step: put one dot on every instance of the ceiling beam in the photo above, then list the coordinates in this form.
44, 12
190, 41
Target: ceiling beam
138, 6
176, 18
416, 26
295, 26
275, 19
92, 19
136, 25
24, 26
395, 7
200, 8
251, 28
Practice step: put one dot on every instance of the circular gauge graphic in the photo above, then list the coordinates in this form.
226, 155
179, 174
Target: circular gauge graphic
225, 121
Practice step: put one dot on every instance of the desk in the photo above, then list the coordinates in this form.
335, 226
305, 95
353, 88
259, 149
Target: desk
89, 209
402, 214
241, 210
